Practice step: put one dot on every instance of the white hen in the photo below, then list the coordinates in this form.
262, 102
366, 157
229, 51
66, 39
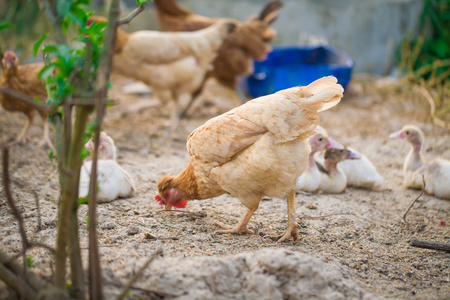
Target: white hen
113, 182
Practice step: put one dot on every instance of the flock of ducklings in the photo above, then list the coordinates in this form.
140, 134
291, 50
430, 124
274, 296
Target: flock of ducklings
340, 167
331, 172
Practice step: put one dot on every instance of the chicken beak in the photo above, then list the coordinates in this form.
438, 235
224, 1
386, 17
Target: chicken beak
332, 144
168, 206
397, 135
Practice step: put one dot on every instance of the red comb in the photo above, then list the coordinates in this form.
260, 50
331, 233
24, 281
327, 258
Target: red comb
180, 204
159, 200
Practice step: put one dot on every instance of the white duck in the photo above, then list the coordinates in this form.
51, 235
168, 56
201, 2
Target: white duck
359, 172
436, 172
113, 182
333, 180
309, 181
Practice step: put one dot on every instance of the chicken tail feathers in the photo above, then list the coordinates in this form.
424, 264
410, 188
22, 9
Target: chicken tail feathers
323, 93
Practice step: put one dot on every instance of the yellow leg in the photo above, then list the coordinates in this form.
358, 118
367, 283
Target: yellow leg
25, 129
291, 224
241, 227
46, 136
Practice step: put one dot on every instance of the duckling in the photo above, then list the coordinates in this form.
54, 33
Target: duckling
113, 181
414, 160
359, 172
436, 172
309, 181
437, 177
334, 181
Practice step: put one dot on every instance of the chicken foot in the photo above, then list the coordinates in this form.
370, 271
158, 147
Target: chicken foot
292, 225
241, 227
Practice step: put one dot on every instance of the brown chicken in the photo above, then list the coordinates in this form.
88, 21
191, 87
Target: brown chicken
251, 40
173, 64
23, 79
257, 149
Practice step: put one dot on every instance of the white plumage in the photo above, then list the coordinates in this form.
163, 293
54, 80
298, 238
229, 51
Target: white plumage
113, 181
436, 172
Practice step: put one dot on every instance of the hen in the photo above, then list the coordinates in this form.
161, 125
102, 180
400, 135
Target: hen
113, 182
23, 79
257, 149
173, 64
251, 40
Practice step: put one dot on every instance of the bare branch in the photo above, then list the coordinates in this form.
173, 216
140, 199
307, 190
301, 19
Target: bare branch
27, 99
131, 16
138, 273
45, 6
421, 193
431, 245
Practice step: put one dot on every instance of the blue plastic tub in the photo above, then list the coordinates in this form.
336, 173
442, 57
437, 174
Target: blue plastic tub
291, 66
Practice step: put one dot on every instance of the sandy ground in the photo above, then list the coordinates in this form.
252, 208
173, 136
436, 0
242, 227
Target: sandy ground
360, 230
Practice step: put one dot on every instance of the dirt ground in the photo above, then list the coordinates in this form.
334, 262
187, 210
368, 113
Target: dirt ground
360, 230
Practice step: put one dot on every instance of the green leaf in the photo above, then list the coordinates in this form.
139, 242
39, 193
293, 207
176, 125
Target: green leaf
50, 49
37, 100
5, 25
46, 72
82, 200
29, 261
50, 155
38, 43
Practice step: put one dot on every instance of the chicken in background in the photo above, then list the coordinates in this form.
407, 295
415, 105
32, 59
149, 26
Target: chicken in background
257, 149
309, 181
333, 180
113, 181
436, 172
250, 41
23, 79
173, 64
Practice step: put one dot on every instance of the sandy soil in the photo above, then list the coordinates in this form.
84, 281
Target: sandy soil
360, 230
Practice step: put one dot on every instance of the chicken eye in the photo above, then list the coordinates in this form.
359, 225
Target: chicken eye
320, 139
341, 151
407, 132
166, 194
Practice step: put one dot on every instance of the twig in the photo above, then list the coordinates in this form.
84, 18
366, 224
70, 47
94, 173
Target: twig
159, 293
432, 104
15, 210
36, 200
421, 193
430, 245
201, 251
138, 273
27, 99
323, 216
197, 214
131, 16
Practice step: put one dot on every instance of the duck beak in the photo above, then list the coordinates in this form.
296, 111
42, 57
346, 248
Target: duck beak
332, 144
397, 135
353, 155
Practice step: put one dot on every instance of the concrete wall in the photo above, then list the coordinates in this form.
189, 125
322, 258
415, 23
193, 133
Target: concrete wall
369, 30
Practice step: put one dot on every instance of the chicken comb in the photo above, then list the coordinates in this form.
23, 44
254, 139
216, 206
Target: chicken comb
159, 200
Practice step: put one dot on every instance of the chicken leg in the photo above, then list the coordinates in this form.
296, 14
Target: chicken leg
240, 227
23, 134
291, 224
